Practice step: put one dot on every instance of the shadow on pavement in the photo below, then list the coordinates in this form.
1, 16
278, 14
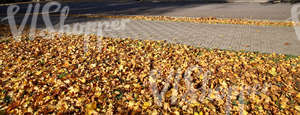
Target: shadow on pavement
120, 8
107, 8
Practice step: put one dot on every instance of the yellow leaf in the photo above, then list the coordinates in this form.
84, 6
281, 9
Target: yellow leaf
130, 103
200, 113
146, 105
245, 112
91, 112
293, 70
39, 72
93, 65
283, 102
90, 108
82, 80
223, 83
30, 110
169, 93
154, 112
283, 105
98, 58
273, 72
98, 94
48, 97
80, 99
61, 70
73, 90
223, 70
127, 86
201, 76
195, 103
176, 113
297, 108
298, 95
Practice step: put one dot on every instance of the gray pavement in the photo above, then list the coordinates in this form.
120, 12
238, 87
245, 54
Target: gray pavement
192, 9
223, 36
265, 39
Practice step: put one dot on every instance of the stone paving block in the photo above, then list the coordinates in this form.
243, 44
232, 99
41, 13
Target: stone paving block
265, 39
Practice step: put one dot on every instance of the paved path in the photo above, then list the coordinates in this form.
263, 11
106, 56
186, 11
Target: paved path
235, 37
223, 36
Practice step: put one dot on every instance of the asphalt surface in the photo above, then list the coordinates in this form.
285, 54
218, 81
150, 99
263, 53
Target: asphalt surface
193, 9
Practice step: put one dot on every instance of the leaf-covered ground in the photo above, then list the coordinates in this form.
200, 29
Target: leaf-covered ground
207, 20
57, 76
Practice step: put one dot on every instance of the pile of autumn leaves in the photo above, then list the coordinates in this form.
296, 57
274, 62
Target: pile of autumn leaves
206, 20
57, 76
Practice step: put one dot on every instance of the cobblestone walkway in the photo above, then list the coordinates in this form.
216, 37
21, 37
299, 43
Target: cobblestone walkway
222, 36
